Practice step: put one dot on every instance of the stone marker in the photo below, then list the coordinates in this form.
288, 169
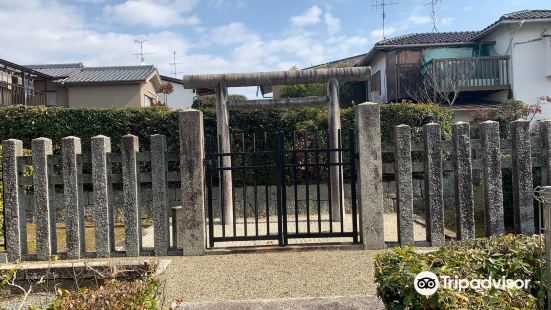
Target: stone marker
492, 179
42, 148
404, 184
191, 219
370, 175
434, 198
14, 225
103, 211
71, 147
132, 218
464, 204
523, 196
159, 192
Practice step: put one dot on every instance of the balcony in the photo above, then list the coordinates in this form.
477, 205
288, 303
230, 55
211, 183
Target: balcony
12, 94
489, 73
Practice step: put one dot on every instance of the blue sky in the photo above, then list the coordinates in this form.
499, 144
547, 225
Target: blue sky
223, 35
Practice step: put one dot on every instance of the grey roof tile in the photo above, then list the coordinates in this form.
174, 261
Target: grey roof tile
111, 74
430, 38
57, 70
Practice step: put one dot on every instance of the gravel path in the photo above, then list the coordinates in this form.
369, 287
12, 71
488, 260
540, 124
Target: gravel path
270, 275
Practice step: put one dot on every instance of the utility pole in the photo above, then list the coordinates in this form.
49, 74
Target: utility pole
141, 54
381, 5
433, 4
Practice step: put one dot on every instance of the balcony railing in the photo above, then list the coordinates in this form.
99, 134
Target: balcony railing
12, 94
470, 73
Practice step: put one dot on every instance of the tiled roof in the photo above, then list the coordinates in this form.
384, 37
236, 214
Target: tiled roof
111, 74
429, 38
527, 14
57, 71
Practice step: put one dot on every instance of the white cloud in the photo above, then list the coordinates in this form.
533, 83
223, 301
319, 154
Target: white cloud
467, 8
332, 23
377, 34
232, 33
419, 20
217, 4
162, 13
447, 20
311, 17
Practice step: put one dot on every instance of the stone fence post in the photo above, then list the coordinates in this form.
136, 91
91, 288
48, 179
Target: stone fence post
492, 178
44, 213
370, 175
434, 196
15, 223
404, 184
523, 207
464, 204
191, 221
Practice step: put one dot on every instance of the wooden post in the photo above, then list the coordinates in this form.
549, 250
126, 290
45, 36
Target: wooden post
223, 132
335, 172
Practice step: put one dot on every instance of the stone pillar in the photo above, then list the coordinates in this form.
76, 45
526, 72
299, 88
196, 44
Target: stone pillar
335, 172
132, 218
191, 219
404, 184
14, 211
159, 192
523, 207
492, 178
103, 210
434, 198
223, 131
545, 134
71, 148
464, 204
42, 148
370, 175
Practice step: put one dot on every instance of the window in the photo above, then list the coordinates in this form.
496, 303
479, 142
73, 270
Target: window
51, 98
376, 82
148, 101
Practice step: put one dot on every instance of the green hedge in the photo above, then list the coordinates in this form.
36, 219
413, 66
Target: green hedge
27, 123
510, 256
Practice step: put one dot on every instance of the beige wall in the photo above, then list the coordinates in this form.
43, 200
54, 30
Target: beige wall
147, 89
106, 96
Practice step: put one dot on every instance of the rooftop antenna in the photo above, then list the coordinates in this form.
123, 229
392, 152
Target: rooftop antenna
381, 5
433, 4
173, 64
141, 54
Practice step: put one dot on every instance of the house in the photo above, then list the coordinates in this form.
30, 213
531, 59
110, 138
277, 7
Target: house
180, 98
16, 85
74, 85
475, 70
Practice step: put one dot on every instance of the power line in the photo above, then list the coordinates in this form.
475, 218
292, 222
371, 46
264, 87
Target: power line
433, 4
381, 5
141, 54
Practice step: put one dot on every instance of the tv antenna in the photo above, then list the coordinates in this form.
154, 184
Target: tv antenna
141, 54
381, 5
173, 64
433, 4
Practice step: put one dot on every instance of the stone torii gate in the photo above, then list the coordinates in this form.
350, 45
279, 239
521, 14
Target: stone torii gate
331, 76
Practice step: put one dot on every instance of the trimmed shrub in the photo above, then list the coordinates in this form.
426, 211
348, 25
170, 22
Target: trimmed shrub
510, 256
114, 294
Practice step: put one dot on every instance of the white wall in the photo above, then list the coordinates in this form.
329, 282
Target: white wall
180, 98
379, 64
528, 60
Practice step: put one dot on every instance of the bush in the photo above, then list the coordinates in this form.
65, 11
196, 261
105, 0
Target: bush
510, 256
114, 294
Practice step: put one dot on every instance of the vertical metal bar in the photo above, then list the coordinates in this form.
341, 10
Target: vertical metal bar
255, 177
209, 171
244, 177
318, 178
233, 190
306, 177
295, 163
352, 154
279, 191
341, 181
283, 187
267, 194
329, 200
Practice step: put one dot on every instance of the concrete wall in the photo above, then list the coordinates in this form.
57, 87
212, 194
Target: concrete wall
106, 96
528, 59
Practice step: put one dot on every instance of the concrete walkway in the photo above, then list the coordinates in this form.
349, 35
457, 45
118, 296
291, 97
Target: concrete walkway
328, 303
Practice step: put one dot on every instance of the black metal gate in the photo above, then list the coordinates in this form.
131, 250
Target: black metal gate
281, 190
